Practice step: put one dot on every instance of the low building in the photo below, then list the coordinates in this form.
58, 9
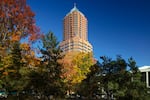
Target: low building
145, 70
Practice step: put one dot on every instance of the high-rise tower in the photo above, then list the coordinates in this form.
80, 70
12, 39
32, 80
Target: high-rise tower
75, 32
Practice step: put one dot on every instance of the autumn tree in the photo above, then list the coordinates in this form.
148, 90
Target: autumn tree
10, 75
17, 21
76, 65
29, 56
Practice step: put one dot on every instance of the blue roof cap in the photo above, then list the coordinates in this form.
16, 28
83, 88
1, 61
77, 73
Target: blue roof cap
74, 9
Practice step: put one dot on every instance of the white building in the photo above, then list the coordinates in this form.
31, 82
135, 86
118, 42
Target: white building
145, 70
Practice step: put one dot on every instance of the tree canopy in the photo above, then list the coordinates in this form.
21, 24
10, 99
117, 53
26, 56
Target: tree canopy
115, 79
51, 74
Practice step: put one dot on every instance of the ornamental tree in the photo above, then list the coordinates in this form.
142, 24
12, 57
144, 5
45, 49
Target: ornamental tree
17, 21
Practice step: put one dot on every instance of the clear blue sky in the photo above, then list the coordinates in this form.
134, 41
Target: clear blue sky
115, 27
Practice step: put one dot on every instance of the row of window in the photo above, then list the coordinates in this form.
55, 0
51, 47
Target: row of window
76, 45
76, 49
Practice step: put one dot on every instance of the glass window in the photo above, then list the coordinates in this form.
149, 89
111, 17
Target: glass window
143, 78
148, 78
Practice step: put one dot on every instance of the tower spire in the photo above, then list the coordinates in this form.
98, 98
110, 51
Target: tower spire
75, 5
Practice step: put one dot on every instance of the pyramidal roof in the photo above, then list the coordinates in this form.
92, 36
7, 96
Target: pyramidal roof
75, 9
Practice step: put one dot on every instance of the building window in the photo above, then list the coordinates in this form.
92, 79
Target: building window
148, 78
143, 78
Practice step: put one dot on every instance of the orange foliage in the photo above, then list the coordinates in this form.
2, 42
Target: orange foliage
15, 38
70, 70
28, 56
25, 46
1, 69
15, 16
5, 73
76, 66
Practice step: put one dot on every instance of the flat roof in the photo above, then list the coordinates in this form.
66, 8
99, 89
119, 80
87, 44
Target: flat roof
144, 68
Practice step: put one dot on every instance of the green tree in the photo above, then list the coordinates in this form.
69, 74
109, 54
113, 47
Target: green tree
114, 74
122, 80
46, 79
137, 90
91, 83
114, 79
12, 79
